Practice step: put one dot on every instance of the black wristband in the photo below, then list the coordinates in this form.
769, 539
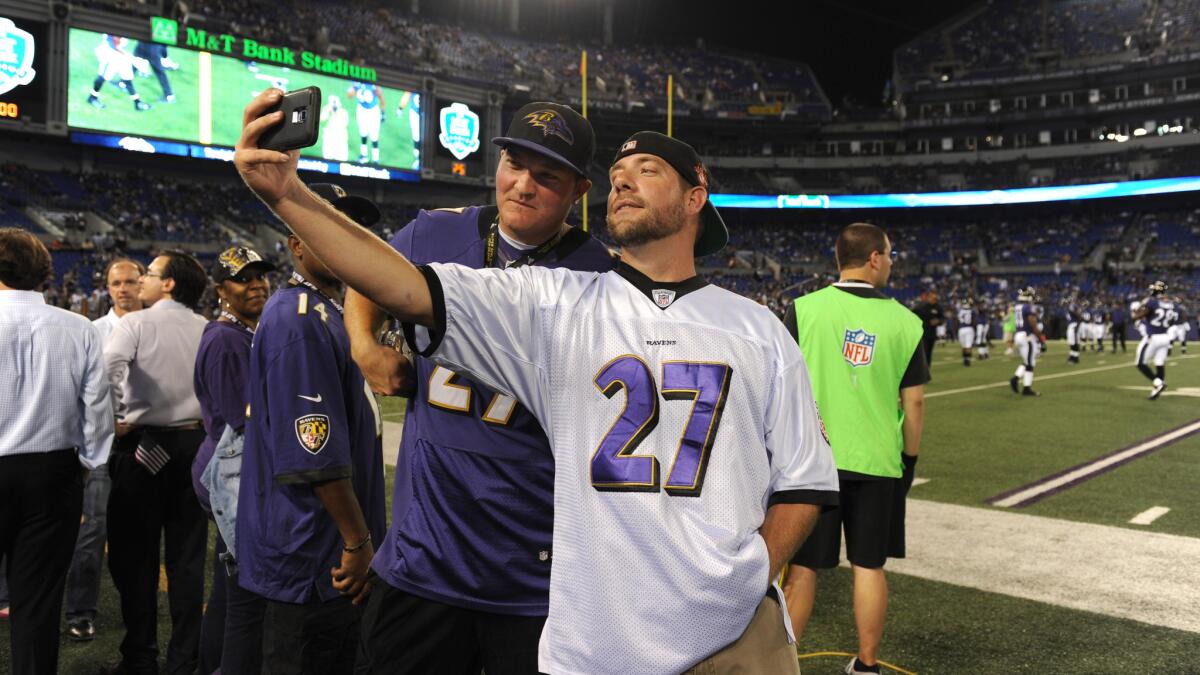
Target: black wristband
909, 460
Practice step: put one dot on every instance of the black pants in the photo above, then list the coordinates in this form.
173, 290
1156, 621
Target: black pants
41, 500
317, 638
1118, 331
231, 635
141, 509
406, 634
212, 627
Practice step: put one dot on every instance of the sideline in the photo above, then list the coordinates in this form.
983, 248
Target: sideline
1116, 571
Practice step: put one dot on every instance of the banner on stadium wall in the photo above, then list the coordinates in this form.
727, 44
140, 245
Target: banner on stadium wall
166, 31
966, 198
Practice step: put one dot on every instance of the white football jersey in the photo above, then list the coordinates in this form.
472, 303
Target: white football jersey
677, 413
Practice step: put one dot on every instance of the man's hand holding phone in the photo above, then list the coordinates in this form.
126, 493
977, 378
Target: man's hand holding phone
269, 173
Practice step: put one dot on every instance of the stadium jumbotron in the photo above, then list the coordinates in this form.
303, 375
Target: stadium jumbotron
1009, 189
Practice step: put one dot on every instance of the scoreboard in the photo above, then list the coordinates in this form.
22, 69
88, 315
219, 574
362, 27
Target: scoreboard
23, 70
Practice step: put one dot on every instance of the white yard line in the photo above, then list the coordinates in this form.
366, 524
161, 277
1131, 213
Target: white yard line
1120, 572
919, 481
1042, 378
1149, 515
1087, 470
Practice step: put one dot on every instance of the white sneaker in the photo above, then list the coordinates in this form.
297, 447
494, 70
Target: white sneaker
1157, 389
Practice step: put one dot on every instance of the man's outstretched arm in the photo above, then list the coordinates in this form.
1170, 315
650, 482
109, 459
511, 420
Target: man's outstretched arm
356, 256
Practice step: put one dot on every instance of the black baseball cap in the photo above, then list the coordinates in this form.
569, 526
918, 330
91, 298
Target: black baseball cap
683, 158
360, 209
554, 131
237, 259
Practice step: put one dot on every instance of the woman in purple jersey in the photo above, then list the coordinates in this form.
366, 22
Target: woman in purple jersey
222, 362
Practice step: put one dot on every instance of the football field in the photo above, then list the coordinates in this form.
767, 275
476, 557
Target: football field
1095, 568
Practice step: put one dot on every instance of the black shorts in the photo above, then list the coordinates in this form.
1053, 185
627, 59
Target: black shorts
403, 634
865, 512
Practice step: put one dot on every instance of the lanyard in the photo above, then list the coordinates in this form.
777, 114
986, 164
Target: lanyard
228, 316
310, 286
489, 256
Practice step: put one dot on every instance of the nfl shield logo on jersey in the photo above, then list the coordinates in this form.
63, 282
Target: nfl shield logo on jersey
313, 431
460, 130
16, 56
858, 347
663, 298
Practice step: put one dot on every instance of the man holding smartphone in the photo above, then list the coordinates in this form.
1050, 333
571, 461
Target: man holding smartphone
438, 613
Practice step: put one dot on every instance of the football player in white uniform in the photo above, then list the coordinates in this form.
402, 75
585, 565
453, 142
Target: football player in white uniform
116, 65
964, 314
1027, 342
691, 461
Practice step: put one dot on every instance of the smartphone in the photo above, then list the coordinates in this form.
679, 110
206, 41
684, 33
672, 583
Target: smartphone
299, 128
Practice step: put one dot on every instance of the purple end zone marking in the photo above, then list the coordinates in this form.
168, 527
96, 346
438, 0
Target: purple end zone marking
1099, 472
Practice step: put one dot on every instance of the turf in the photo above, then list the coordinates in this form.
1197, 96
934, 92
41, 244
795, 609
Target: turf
979, 444
939, 628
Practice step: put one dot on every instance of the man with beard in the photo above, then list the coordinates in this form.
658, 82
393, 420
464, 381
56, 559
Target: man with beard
689, 458
122, 278
437, 613
222, 362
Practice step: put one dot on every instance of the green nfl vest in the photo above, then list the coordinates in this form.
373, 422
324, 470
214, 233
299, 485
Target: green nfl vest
857, 350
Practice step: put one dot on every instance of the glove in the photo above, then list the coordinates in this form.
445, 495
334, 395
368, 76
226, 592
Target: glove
910, 471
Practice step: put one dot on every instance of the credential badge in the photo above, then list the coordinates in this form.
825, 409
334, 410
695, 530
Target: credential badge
16, 56
313, 431
858, 347
460, 130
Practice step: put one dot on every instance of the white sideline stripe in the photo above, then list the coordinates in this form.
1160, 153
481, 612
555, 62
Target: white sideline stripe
919, 481
1085, 371
1116, 571
1098, 465
1149, 515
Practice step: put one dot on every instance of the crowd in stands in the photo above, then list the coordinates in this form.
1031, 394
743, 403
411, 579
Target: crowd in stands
380, 34
1013, 36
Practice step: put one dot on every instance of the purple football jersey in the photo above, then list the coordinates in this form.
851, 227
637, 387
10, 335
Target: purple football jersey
473, 505
311, 420
220, 384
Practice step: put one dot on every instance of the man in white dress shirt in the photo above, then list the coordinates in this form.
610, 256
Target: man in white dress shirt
123, 279
150, 358
55, 414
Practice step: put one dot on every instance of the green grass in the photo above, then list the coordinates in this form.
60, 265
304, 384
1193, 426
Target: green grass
981, 443
233, 86
939, 628
977, 445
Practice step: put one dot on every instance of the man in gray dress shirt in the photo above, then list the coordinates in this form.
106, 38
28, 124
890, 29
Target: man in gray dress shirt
150, 358
123, 280
55, 414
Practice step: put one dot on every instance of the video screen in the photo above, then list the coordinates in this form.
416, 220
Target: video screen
23, 70
123, 85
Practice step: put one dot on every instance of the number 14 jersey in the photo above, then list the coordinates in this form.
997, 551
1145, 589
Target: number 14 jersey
677, 414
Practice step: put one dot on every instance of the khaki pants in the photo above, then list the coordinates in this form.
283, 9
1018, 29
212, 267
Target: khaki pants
762, 649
